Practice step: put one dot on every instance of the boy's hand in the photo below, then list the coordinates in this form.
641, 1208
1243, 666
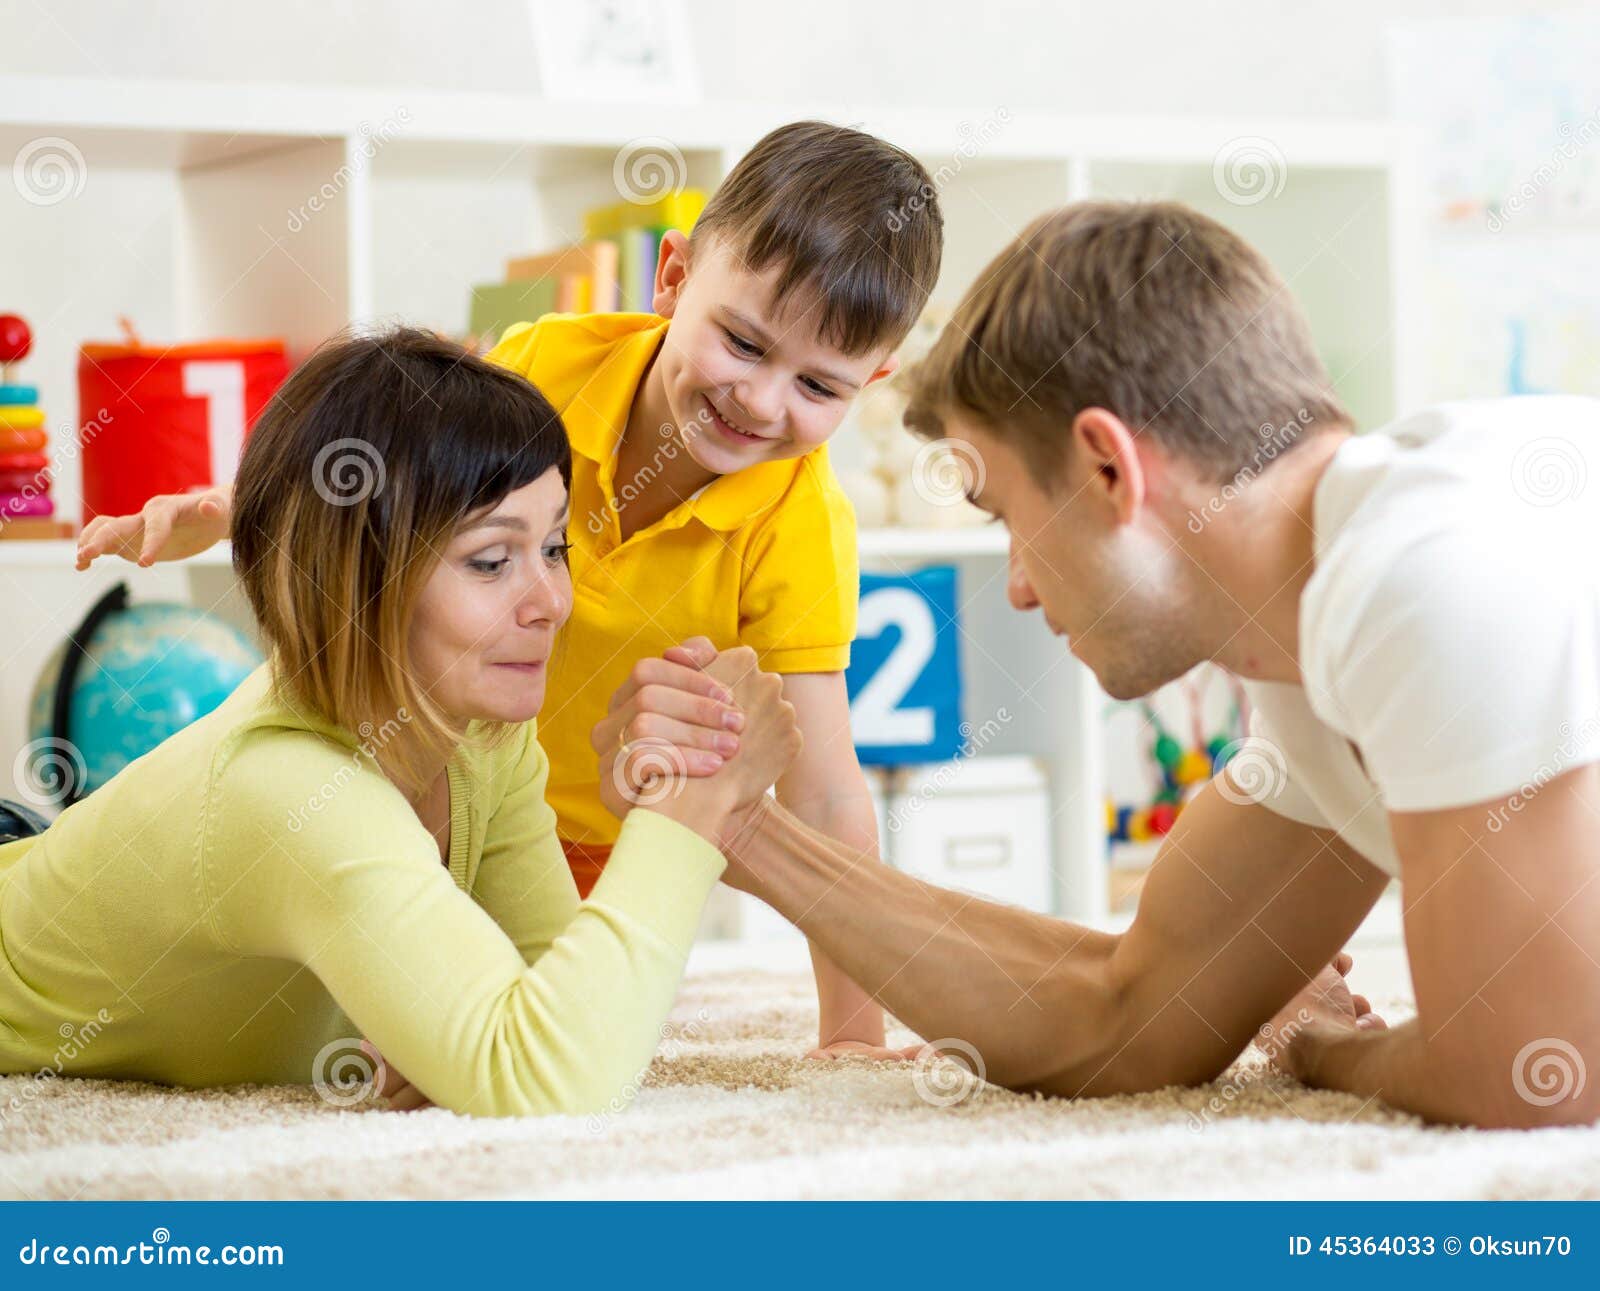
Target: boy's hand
171, 526
859, 1049
668, 715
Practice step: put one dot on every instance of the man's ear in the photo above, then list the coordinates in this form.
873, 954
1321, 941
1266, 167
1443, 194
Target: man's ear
672, 272
1110, 459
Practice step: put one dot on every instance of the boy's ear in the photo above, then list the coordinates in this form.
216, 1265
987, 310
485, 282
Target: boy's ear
891, 365
672, 272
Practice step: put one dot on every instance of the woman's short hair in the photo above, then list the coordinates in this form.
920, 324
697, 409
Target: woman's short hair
351, 484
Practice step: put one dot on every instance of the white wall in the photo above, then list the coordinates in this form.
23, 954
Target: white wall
1160, 56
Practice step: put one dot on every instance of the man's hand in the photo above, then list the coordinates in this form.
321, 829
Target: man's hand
1502, 903
171, 526
659, 773
771, 738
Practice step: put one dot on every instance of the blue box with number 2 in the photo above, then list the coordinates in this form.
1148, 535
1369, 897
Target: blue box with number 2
904, 677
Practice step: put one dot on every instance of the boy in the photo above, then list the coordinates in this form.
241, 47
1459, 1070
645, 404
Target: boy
703, 503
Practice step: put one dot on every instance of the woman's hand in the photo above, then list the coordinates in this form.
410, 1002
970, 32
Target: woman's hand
403, 1096
170, 527
680, 779
668, 717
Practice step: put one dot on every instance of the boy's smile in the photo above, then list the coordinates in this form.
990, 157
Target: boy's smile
735, 428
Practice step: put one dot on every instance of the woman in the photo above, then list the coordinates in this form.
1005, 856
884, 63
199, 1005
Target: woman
356, 843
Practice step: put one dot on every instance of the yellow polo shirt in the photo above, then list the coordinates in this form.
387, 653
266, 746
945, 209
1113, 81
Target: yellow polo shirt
764, 557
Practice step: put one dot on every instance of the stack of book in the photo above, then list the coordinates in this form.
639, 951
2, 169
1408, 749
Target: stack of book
612, 269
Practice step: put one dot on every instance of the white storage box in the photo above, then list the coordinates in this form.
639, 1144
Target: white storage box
977, 824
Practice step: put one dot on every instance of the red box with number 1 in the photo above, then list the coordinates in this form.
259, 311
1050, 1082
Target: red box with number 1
154, 419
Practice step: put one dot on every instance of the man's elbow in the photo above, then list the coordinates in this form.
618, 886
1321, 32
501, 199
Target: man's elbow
1547, 1091
1107, 1041
1496, 1112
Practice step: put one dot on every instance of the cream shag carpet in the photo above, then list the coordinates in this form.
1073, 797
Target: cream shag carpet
730, 1110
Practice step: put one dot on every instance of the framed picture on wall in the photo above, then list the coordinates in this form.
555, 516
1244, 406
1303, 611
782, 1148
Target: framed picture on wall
618, 50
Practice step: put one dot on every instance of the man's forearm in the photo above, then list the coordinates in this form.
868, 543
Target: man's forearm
1397, 1066
1029, 992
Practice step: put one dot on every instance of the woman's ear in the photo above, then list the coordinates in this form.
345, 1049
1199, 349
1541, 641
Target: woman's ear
672, 272
1110, 456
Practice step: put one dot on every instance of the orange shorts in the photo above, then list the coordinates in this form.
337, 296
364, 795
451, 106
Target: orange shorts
586, 861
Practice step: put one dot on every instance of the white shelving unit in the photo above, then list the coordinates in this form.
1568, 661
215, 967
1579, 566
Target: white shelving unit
210, 209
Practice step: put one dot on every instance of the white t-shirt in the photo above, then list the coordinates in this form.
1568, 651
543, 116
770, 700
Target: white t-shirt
1450, 630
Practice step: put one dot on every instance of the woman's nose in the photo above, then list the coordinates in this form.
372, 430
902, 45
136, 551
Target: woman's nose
548, 598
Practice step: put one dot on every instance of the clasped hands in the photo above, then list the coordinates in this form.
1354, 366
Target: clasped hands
700, 735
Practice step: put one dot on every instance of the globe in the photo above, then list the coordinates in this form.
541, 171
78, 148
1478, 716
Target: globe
149, 670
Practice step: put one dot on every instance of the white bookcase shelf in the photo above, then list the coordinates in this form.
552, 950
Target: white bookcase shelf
202, 210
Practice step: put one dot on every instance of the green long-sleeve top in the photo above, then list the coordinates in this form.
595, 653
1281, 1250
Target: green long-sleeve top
254, 890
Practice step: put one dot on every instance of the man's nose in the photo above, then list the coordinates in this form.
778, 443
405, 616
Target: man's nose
1018, 589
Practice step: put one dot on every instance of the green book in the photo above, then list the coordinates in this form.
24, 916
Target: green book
497, 305
628, 272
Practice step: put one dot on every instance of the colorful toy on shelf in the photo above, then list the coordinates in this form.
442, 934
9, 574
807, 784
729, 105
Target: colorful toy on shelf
167, 418
26, 509
1180, 770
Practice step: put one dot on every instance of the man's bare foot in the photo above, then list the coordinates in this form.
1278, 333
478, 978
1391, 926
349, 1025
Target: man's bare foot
1326, 998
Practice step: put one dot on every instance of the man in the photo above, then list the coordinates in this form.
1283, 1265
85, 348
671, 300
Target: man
1416, 615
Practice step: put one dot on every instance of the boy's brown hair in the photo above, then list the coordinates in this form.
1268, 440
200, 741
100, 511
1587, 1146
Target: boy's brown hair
1150, 310
846, 215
